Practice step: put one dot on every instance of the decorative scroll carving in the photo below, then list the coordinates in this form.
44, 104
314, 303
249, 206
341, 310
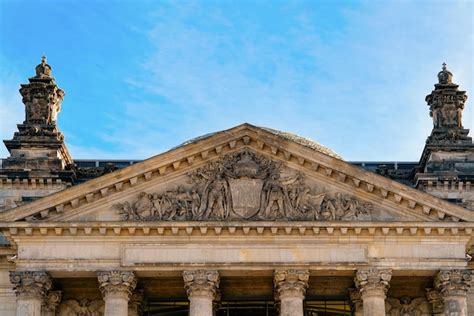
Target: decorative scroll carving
290, 283
30, 283
117, 283
406, 306
435, 300
84, 307
453, 282
373, 282
51, 302
245, 186
201, 283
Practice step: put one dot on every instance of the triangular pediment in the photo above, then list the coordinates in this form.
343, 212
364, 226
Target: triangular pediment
246, 173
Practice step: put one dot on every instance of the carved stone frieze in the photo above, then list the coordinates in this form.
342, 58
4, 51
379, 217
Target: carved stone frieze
453, 282
290, 283
202, 283
373, 282
84, 307
117, 283
407, 306
245, 186
30, 284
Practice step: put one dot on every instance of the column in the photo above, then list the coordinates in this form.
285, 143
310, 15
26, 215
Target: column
202, 288
135, 304
51, 303
290, 289
373, 285
116, 287
453, 286
30, 288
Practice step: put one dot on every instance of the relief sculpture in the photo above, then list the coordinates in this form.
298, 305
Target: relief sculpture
245, 186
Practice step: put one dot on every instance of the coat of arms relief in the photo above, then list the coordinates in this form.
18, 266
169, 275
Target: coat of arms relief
245, 186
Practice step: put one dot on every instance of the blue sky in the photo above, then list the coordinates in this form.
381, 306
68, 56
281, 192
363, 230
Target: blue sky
143, 76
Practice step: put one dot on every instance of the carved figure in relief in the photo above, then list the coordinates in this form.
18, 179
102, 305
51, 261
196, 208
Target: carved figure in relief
406, 306
217, 199
84, 307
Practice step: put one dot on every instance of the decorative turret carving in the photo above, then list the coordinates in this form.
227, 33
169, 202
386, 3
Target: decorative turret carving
446, 104
37, 150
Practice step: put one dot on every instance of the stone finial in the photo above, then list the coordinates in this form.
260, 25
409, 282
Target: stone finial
117, 283
373, 281
30, 284
446, 103
43, 69
453, 282
445, 76
42, 97
201, 283
291, 283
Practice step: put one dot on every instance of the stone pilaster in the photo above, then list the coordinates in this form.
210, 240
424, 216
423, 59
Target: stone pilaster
356, 301
290, 289
135, 305
51, 303
202, 288
117, 288
436, 302
453, 286
30, 288
373, 285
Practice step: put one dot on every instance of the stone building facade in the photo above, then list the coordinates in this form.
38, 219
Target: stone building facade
247, 221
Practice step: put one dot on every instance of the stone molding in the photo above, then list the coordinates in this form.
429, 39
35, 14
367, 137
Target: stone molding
203, 283
290, 283
435, 229
373, 281
117, 283
52, 301
30, 284
419, 204
454, 282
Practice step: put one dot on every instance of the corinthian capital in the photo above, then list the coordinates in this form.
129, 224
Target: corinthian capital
373, 282
201, 283
453, 282
290, 283
30, 284
117, 283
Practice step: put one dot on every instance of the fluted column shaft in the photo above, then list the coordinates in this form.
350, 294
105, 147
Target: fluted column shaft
290, 290
30, 288
453, 286
202, 287
116, 287
373, 285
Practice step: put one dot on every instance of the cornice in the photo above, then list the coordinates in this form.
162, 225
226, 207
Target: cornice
434, 229
421, 205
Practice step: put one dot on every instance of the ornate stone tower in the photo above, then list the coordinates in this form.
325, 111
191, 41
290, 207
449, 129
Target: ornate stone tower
39, 161
446, 167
